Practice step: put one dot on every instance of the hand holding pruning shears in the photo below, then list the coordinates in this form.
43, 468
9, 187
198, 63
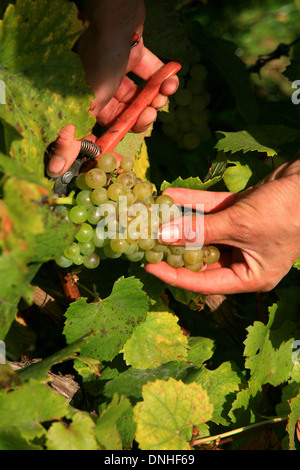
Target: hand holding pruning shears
112, 46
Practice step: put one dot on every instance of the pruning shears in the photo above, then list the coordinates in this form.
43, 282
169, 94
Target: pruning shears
90, 151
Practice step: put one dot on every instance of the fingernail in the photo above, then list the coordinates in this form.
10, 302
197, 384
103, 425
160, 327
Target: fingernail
56, 165
169, 233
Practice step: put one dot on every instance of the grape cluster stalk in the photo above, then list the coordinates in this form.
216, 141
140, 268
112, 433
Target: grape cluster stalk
118, 216
187, 122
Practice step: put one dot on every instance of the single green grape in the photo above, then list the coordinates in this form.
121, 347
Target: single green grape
83, 198
193, 256
211, 254
146, 244
91, 261
93, 215
72, 251
143, 190
99, 238
127, 163
78, 214
136, 257
119, 245
107, 162
85, 233
86, 248
194, 267
127, 179
95, 178
63, 262
99, 196
183, 97
176, 261
164, 199
116, 190
80, 182
153, 256
78, 260
191, 141
177, 250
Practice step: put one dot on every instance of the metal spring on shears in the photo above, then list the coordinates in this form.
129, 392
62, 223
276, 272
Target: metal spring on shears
89, 148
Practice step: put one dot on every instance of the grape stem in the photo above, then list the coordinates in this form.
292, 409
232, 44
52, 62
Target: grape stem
68, 200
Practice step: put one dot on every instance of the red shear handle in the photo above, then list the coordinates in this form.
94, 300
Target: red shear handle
128, 118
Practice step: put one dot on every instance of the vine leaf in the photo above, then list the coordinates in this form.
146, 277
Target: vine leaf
25, 408
156, 341
44, 79
268, 344
113, 319
106, 430
264, 139
78, 435
190, 183
167, 410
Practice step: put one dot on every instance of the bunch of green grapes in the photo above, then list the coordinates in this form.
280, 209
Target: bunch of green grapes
119, 215
187, 122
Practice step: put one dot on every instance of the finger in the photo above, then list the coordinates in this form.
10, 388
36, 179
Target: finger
197, 230
210, 281
148, 65
145, 119
65, 152
212, 201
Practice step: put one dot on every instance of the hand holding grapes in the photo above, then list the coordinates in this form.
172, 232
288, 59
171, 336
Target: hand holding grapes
106, 51
259, 231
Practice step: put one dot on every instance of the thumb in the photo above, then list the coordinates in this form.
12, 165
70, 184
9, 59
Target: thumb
64, 153
197, 230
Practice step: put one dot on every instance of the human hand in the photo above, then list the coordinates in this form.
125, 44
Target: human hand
258, 232
107, 55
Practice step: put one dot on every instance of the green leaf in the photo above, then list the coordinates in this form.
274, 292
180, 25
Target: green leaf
28, 406
38, 371
11, 439
45, 86
156, 341
167, 409
221, 385
297, 264
78, 435
190, 183
268, 351
106, 430
264, 139
130, 382
292, 422
200, 350
113, 319
237, 177
8, 377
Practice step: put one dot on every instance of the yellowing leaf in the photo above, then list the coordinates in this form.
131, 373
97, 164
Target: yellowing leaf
141, 162
156, 341
167, 409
